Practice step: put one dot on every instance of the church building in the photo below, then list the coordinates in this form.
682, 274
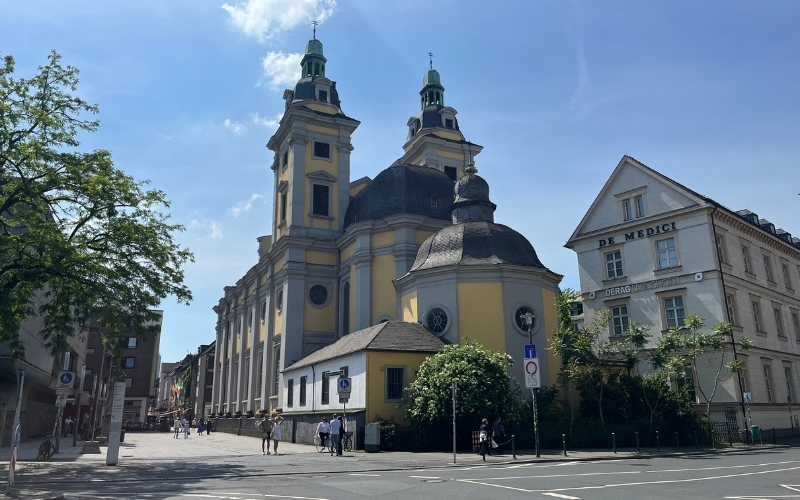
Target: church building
415, 244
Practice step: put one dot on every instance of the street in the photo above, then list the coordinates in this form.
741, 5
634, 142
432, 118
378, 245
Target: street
240, 473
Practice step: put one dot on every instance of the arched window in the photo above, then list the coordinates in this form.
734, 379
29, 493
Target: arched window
316, 69
308, 69
346, 308
322, 67
437, 97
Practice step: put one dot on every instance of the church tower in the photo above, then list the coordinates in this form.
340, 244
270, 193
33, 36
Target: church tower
434, 138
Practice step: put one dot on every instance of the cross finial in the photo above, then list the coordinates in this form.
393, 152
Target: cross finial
430, 55
315, 23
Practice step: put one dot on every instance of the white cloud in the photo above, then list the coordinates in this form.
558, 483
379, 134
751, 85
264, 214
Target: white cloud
281, 70
244, 206
267, 122
263, 19
213, 227
235, 127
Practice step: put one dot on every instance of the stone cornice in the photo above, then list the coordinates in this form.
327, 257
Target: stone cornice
759, 234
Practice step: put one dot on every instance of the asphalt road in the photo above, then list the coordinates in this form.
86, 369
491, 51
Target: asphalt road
753, 474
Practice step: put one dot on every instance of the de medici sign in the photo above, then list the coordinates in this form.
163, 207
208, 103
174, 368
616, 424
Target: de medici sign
641, 233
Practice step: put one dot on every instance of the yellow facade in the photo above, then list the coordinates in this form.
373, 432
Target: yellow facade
384, 297
322, 107
383, 239
322, 130
376, 381
550, 323
480, 314
277, 322
277, 265
450, 154
347, 252
421, 236
408, 307
319, 319
325, 258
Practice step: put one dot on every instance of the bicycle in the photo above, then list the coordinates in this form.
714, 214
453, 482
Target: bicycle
47, 449
347, 441
322, 444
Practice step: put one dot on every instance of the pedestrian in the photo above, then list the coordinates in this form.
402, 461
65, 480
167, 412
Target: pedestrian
498, 434
483, 439
336, 437
185, 429
323, 431
194, 423
201, 426
342, 434
276, 432
177, 426
265, 426
68, 426
208, 427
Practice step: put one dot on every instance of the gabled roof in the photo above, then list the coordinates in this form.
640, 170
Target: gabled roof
397, 336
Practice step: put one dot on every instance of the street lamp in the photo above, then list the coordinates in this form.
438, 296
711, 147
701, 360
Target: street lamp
529, 317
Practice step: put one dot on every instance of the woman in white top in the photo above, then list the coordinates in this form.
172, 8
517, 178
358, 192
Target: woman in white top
323, 430
276, 433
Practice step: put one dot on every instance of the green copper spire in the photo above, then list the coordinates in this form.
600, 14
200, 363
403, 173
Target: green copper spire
432, 92
313, 62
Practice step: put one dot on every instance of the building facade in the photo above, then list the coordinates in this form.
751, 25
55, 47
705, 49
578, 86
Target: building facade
653, 251
344, 255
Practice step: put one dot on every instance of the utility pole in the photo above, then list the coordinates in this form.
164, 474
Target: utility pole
455, 391
99, 391
76, 425
16, 432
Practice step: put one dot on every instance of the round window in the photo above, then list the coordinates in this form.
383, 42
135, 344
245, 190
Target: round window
318, 295
520, 317
279, 300
437, 320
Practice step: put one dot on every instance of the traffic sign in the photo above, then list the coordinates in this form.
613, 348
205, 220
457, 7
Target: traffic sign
530, 351
338, 373
63, 391
344, 398
748, 398
532, 380
343, 385
65, 379
61, 401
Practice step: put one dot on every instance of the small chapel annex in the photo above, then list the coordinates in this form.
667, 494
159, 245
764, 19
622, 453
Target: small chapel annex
415, 244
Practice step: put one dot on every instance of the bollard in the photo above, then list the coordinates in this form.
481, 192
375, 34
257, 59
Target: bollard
761, 438
677, 443
614, 442
638, 450
564, 443
658, 442
696, 444
513, 446
730, 439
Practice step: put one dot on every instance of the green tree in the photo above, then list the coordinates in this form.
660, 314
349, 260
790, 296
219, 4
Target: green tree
485, 389
79, 239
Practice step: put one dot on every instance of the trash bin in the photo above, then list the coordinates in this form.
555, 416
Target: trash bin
755, 431
122, 436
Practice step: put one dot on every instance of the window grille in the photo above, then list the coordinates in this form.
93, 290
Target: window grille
321, 199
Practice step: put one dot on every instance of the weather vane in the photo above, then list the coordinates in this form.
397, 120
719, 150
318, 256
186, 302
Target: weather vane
315, 23
430, 55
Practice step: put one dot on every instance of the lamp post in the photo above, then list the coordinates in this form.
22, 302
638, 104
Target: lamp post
529, 317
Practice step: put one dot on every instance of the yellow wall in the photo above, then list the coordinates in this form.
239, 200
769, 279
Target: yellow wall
347, 252
450, 154
323, 130
550, 323
480, 314
408, 307
376, 382
277, 266
277, 321
326, 258
319, 320
422, 236
354, 190
449, 134
322, 108
384, 298
382, 239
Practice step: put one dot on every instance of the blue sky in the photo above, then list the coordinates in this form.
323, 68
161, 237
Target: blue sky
556, 92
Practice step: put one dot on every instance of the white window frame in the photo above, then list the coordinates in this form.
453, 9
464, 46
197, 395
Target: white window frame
768, 385
680, 321
730, 303
719, 240
627, 208
758, 319
746, 259
768, 267
787, 372
776, 310
621, 266
667, 250
787, 278
639, 202
620, 311
632, 204
796, 324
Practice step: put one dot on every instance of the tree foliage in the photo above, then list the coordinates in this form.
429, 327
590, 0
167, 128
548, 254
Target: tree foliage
79, 238
485, 389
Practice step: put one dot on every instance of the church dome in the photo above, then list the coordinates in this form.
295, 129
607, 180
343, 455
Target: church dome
471, 188
431, 77
314, 46
403, 189
473, 244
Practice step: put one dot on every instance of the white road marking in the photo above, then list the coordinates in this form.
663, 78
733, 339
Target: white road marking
641, 483
426, 477
558, 475
726, 467
559, 495
363, 474
534, 465
793, 487
202, 495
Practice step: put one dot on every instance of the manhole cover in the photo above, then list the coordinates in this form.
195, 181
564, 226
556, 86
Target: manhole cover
433, 480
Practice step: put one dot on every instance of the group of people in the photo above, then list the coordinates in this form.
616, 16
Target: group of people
491, 437
270, 429
185, 426
334, 430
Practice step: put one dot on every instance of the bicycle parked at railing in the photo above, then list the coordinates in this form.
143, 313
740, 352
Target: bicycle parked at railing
48, 448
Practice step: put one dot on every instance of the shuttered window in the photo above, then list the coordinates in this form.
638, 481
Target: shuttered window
321, 199
322, 149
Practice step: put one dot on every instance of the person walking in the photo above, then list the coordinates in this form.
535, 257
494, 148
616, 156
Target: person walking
265, 426
201, 426
336, 437
483, 439
68, 426
177, 426
323, 431
208, 427
276, 432
498, 433
185, 429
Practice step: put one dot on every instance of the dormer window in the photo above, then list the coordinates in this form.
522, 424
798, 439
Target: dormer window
434, 201
448, 123
323, 95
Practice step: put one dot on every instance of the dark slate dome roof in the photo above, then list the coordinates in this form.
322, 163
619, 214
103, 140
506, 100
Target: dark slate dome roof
304, 90
403, 189
473, 244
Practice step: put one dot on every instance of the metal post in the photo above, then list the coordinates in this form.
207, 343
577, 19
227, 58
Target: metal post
535, 421
658, 442
614, 442
677, 442
730, 439
99, 390
564, 443
78, 397
750, 421
16, 432
638, 450
455, 390
513, 446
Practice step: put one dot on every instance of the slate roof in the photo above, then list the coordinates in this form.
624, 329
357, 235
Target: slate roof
304, 90
403, 189
473, 244
397, 336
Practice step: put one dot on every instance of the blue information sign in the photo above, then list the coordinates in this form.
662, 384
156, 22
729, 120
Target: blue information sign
530, 351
